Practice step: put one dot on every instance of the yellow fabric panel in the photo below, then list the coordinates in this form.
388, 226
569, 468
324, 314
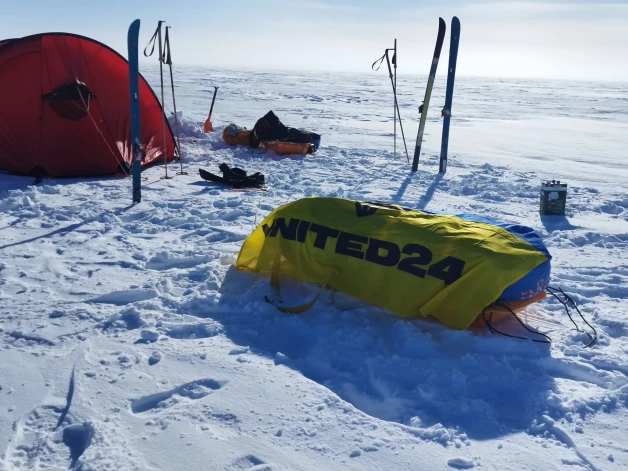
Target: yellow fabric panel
410, 262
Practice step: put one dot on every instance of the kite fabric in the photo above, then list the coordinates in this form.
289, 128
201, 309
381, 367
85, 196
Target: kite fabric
408, 261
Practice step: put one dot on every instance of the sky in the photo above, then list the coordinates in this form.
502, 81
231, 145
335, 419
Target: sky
560, 39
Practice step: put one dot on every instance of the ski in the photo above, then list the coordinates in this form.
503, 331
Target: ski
134, 95
451, 76
428, 92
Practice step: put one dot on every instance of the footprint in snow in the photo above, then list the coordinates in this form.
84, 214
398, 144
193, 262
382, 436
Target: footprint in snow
154, 358
77, 437
34, 442
199, 330
248, 463
166, 399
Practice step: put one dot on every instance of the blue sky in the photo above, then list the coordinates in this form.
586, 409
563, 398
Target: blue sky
549, 39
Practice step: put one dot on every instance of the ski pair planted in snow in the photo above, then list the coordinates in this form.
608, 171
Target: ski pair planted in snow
451, 75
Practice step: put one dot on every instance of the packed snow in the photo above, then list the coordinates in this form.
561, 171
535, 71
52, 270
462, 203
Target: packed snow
129, 341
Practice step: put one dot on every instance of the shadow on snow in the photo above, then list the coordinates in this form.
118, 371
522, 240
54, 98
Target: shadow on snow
413, 372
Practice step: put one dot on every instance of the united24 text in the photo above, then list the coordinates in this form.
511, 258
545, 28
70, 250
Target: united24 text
411, 258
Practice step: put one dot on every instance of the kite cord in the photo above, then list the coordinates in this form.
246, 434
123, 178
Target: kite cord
120, 163
568, 300
86, 109
489, 323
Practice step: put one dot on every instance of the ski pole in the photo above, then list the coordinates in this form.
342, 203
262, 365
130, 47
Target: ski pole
393, 83
157, 37
167, 59
396, 103
394, 61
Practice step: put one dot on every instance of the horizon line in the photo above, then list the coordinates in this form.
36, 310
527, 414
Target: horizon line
411, 74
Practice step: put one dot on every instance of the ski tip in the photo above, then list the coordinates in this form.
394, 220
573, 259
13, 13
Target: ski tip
134, 26
134, 31
441, 22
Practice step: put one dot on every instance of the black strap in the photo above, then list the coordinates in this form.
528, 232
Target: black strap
275, 283
380, 60
489, 323
153, 40
569, 300
166, 57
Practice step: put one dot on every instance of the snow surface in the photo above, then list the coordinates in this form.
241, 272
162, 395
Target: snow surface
129, 341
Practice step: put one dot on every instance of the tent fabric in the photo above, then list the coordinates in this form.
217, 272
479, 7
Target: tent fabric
66, 110
408, 261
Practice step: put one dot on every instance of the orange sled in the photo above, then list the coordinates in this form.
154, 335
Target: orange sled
288, 147
241, 138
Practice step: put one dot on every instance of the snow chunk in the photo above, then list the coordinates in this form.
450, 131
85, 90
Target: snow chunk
149, 336
34, 338
281, 359
227, 259
239, 350
460, 463
129, 316
125, 296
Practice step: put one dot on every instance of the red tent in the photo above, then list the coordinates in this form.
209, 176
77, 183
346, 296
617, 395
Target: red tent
64, 108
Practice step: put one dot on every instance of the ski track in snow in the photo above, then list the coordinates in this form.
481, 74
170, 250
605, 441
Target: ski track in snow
178, 358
